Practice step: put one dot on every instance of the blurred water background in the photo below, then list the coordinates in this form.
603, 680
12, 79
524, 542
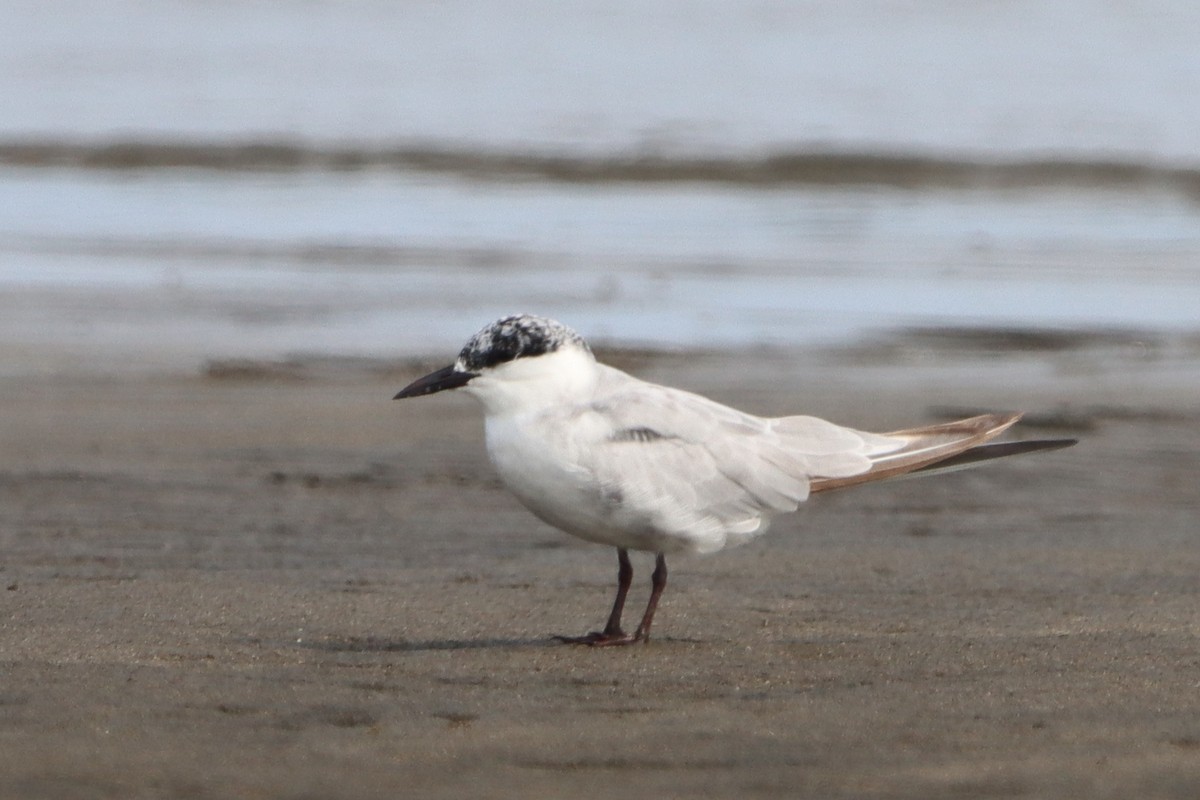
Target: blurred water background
191, 180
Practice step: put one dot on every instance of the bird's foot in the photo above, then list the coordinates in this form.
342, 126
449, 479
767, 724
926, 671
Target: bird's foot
603, 638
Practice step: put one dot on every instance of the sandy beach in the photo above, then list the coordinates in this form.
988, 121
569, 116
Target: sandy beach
232, 567
269, 580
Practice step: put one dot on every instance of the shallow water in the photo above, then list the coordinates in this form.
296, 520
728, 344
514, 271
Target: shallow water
171, 191
197, 264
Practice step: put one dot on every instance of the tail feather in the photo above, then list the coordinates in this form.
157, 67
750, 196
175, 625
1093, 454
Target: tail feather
942, 447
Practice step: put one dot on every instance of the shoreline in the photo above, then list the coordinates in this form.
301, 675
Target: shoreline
263, 582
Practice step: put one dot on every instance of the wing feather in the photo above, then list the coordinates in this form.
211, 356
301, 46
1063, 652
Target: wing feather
678, 465
709, 473
924, 446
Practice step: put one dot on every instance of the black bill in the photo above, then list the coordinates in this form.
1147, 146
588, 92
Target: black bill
444, 378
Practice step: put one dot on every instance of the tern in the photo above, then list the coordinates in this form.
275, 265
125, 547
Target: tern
615, 460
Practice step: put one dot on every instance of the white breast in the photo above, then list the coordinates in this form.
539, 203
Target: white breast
538, 463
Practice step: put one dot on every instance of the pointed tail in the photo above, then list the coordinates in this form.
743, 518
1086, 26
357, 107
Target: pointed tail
946, 447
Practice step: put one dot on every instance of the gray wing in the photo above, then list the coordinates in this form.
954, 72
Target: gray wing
686, 467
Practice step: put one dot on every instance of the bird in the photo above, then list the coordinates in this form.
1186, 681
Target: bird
615, 460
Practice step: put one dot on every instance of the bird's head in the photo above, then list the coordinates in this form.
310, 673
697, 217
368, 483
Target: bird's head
516, 362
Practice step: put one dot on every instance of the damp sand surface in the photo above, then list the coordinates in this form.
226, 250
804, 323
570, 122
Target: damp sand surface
265, 579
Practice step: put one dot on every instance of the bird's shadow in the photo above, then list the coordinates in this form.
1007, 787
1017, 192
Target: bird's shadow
371, 644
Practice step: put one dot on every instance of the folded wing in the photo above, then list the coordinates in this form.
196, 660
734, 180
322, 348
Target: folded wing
687, 467
684, 466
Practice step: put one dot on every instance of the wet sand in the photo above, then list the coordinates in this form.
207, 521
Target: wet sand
269, 580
